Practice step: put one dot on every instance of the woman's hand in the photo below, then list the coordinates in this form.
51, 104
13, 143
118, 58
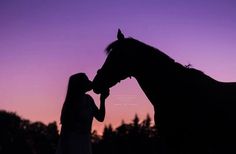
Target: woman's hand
105, 94
100, 115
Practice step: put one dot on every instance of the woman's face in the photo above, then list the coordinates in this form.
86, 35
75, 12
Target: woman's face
85, 84
80, 83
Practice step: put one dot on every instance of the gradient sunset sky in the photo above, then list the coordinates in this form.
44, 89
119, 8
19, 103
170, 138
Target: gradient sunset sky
43, 42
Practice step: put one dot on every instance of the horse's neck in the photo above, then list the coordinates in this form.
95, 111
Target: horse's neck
148, 87
157, 74
151, 79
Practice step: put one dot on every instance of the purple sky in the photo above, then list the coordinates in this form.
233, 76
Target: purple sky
43, 42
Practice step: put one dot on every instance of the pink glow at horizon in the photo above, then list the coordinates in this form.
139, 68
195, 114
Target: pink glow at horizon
43, 42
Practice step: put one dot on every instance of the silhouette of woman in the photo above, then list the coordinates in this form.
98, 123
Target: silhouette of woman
77, 115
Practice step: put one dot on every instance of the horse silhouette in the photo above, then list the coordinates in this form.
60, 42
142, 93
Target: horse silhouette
194, 113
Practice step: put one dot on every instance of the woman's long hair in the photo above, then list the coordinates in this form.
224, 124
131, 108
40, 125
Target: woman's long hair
78, 85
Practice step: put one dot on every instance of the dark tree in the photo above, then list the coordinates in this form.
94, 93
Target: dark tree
21, 136
136, 121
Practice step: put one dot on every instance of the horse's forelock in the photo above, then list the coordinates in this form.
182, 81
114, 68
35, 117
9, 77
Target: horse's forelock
110, 46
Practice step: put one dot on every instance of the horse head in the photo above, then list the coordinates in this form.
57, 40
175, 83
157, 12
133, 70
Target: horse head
117, 66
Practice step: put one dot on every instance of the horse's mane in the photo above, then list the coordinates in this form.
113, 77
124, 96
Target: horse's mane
151, 50
137, 43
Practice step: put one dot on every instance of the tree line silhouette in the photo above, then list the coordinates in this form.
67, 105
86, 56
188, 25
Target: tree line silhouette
128, 138
18, 135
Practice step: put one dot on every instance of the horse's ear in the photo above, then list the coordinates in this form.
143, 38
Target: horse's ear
120, 36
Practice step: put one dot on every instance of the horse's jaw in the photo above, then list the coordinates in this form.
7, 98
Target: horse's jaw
96, 91
103, 88
106, 87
